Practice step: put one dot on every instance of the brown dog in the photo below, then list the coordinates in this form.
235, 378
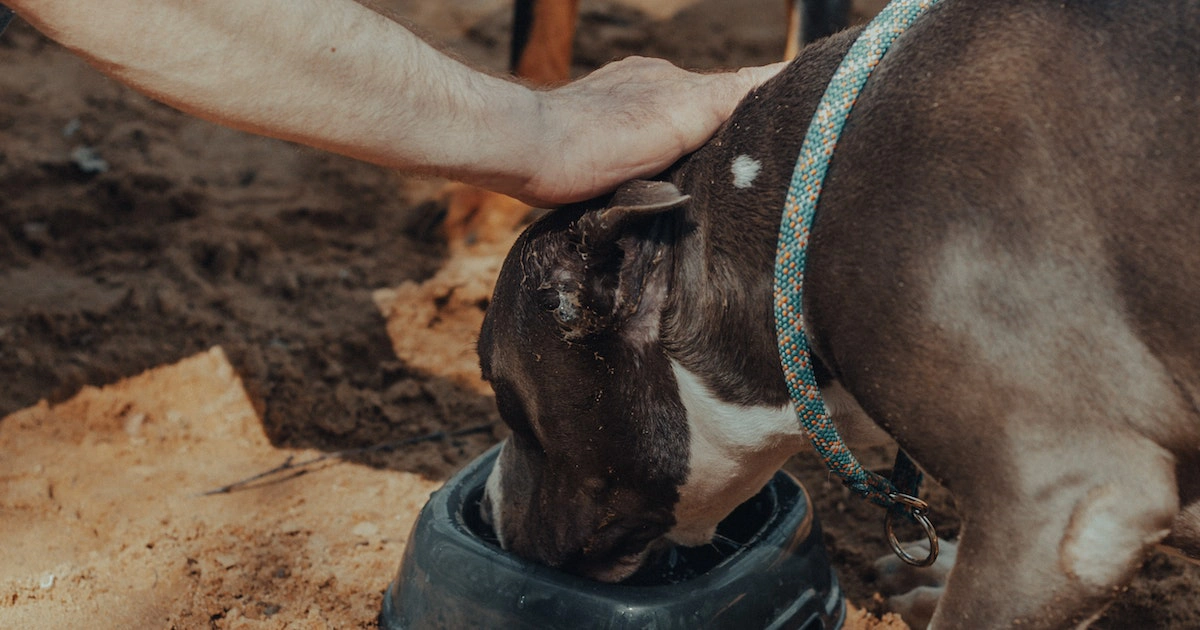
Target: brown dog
1002, 275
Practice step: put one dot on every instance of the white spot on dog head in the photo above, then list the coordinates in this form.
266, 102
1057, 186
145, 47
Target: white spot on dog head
745, 169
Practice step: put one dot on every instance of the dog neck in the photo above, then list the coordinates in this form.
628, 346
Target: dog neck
719, 322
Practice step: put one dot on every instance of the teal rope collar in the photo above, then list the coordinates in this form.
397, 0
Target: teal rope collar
791, 255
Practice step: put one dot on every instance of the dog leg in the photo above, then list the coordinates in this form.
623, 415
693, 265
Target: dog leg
913, 592
542, 39
810, 20
1184, 540
795, 22
543, 35
1056, 553
474, 215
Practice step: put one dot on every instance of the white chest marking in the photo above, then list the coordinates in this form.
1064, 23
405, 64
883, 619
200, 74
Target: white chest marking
731, 428
745, 169
733, 452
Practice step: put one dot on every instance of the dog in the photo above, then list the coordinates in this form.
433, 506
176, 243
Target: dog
1001, 275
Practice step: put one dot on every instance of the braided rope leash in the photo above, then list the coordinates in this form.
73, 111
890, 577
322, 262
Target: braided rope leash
791, 255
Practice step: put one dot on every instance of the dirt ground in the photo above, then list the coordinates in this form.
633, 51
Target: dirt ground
183, 306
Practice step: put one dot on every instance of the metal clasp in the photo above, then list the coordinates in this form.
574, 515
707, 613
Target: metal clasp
918, 509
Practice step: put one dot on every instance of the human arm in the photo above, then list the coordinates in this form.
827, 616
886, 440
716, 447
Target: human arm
337, 76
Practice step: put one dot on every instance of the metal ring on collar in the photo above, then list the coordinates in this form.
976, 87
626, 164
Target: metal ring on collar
918, 510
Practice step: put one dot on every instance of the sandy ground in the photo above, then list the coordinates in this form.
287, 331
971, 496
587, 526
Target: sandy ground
106, 525
183, 306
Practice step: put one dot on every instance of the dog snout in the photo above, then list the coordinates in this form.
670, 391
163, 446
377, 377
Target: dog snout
614, 570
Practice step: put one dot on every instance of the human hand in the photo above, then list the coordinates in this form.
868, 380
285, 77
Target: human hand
631, 118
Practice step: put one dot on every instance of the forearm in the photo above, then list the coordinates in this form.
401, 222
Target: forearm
327, 73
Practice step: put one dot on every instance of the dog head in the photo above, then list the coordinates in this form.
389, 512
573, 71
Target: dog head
608, 456
589, 476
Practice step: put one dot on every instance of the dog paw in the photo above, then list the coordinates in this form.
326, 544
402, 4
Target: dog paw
913, 592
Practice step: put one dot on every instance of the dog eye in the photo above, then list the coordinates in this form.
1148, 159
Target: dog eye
561, 301
548, 299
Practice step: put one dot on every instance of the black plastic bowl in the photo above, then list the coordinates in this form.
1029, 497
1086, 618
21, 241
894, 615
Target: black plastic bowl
769, 570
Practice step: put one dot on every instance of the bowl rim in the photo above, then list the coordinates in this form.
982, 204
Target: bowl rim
783, 578
756, 553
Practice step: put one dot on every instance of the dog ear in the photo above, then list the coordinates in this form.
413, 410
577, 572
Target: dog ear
620, 246
634, 200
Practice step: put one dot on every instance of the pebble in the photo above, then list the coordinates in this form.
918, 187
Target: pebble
86, 159
133, 424
366, 529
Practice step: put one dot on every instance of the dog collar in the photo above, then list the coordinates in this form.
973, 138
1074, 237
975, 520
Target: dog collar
791, 255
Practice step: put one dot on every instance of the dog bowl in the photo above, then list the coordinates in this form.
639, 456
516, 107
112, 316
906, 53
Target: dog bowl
769, 570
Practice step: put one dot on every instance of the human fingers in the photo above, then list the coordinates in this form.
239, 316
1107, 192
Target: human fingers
711, 102
630, 119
